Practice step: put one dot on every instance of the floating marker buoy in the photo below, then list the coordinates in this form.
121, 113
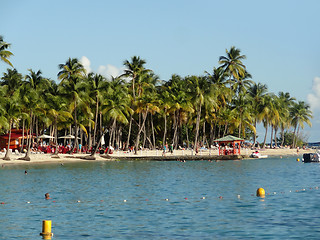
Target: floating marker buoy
238, 196
125, 200
46, 229
186, 198
274, 193
2, 203
167, 199
203, 198
78, 201
261, 192
28, 202
220, 197
298, 159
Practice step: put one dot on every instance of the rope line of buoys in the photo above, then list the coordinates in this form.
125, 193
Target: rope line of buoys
259, 193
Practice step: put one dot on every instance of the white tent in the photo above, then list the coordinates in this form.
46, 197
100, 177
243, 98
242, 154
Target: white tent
68, 136
45, 136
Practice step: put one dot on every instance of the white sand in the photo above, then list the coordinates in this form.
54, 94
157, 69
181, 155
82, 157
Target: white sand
47, 158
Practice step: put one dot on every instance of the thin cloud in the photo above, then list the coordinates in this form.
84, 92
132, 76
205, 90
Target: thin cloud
86, 63
314, 97
110, 70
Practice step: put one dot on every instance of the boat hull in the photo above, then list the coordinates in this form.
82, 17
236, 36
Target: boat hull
311, 157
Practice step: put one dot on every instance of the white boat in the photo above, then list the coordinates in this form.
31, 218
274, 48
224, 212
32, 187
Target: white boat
256, 154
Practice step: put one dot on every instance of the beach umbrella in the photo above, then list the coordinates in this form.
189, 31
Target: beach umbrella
45, 136
68, 136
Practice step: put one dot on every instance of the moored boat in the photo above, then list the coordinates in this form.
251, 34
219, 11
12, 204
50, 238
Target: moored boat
256, 154
311, 157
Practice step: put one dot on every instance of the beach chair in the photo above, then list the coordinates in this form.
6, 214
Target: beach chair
16, 152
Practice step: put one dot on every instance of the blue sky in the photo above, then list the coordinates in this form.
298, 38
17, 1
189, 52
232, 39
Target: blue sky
279, 38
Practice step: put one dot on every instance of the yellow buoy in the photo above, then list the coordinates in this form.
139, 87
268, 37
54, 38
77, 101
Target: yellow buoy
298, 159
46, 229
261, 192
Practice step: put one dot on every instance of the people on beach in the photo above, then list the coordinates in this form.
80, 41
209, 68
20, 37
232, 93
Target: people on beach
171, 148
164, 150
47, 196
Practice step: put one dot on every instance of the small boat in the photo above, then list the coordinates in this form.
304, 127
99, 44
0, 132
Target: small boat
311, 157
256, 154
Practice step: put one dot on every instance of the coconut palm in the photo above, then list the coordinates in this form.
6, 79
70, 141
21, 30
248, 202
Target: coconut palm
97, 84
116, 107
56, 109
300, 114
256, 92
30, 91
286, 102
4, 53
12, 80
232, 64
200, 92
71, 76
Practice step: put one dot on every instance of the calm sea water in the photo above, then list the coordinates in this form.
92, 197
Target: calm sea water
290, 210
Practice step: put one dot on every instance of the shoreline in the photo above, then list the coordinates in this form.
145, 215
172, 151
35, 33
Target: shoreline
148, 154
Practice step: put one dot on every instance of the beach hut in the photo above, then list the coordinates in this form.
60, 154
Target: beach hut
15, 140
229, 145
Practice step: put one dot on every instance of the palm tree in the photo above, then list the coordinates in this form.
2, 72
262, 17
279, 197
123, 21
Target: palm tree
71, 76
32, 88
97, 85
300, 114
116, 107
200, 92
256, 93
285, 102
135, 69
232, 63
12, 80
4, 53
56, 108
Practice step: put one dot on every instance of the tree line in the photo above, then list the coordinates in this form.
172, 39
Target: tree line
138, 109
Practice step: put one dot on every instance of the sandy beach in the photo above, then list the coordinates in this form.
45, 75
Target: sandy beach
63, 158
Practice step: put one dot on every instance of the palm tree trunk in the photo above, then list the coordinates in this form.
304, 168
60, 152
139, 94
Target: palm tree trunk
7, 156
21, 148
153, 136
197, 129
255, 134
27, 156
140, 129
187, 137
265, 136
89, 136
294, 135
129, 132
275, 136
296, 142
271, 136
282, 137
96, 121
75, 145
56, 136
165, 129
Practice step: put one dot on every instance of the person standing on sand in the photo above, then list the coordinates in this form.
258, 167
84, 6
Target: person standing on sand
171, 148
164, 150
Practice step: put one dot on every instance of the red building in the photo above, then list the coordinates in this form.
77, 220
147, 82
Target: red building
15, 140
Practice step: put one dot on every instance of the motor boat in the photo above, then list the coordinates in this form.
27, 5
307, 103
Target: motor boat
311, 157
256, 154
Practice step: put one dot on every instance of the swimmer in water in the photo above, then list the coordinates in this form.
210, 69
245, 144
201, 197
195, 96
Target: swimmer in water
47, 196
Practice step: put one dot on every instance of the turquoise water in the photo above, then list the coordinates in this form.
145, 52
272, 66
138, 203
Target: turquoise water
290, 209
